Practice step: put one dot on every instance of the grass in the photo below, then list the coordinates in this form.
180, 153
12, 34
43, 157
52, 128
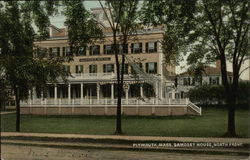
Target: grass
213, 123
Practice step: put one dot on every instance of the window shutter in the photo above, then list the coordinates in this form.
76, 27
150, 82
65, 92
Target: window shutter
147, 47
155, 66
132, 48
155, 46
98, 47
81, 69
90, 50
76, 69
104, 49
112, 67
50, 51
147, 67
104, 68
63, 51
140, 47
58, 51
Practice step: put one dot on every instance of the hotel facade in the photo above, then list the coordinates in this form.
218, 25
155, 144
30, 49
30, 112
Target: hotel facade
91, 88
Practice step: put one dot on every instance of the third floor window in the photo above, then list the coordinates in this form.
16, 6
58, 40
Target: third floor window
151, 47
136, 48
94, 50
66, 51
107, 49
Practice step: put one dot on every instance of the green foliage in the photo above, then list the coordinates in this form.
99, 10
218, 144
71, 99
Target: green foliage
208, 94
18, 66
177, 17
82, 28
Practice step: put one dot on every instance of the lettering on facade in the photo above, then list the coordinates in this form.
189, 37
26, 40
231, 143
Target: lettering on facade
94, 59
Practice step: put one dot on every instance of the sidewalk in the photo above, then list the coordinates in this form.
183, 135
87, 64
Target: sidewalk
184, 144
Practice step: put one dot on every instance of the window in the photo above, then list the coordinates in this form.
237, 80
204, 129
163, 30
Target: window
79, 68
214, 80
55, 52
125, 68
81, 51
66, 51
136, 48
93, 68
94, 50
151, 67
108, 68
108, 49
121, 48
151, 47
67, 68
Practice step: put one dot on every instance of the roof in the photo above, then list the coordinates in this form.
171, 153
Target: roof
207, 71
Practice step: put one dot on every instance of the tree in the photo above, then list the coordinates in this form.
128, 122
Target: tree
122, 16
218, 29
23, 65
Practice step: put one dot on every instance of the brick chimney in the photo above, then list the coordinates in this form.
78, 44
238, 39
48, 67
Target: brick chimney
218, 63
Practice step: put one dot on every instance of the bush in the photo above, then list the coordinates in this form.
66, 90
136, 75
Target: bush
207, 94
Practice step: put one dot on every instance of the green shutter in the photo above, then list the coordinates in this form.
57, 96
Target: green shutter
58, 51
112, 67
155, 46
64, 51
104, 68
104, 49
147, 67
132, 48
90, 50
146, 47
155, 66
140, 47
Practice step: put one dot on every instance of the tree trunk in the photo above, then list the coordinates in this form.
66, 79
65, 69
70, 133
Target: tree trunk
17, 94
231, 115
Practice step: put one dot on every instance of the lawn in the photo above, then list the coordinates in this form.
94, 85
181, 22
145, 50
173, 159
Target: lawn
212, 123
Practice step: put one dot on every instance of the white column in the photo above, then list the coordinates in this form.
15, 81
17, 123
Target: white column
141, 90
156, 91
81, 93
112, 92
98, 92
69, 93
126, 88
55, 95
30, 100
41, 97
161, 89
173, 94
34, 95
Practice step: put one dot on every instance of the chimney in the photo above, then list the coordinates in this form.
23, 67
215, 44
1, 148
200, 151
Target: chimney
218, 65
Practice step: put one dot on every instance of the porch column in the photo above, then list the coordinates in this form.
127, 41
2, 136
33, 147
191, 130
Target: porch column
112, 92
69, 93
173, 94
55, 96
126, 88
81, 93
141, 90
41, 97
33, 95
161, 90
98, 92
156, 91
